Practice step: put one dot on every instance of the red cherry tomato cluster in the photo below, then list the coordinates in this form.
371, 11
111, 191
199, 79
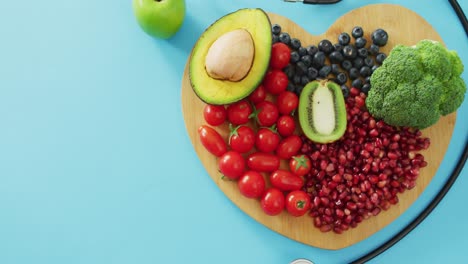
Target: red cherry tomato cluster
261, 150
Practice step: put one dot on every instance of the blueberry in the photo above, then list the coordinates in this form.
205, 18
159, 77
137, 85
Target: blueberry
304, 80
285, 38
341, 78
290, 71
374, 68
363, 52
301, 68
335, 69
357, 83
295, 43
338, 47
312, 73
357, 32
276, 29
367, 80
349, 52
294, 56
307, 59
379, 37
346, 65
360, 43
358, 63
302, 51
299, 89
365, 71
326, 46
336, 56
297, 79
311, 50
353, 73
345, 90
365, 88
291, 87
369, 61
319, 59
274, 39
324, 71
373, 49
380, 58
344, 38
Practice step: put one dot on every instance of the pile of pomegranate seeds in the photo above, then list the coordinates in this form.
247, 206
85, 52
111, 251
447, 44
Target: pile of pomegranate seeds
362, 173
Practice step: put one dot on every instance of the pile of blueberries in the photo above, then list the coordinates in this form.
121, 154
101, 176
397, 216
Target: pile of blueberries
345, 60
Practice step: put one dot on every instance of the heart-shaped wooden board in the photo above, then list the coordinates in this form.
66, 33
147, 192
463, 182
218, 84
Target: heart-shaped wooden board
404, 27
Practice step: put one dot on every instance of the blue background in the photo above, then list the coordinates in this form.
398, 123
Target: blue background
96, 165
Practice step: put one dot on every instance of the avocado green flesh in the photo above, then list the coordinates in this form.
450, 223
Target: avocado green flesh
322, 112
215, 91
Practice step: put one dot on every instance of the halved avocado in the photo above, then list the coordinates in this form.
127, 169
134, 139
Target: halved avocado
218, 91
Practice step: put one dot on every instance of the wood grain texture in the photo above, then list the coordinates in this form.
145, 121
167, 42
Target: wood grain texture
404, 27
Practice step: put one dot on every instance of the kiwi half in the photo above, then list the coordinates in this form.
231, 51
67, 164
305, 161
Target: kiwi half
322, 111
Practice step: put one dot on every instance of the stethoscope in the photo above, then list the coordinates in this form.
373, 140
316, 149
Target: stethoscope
451, 180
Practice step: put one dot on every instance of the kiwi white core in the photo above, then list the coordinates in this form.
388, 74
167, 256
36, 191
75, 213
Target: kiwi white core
323, 110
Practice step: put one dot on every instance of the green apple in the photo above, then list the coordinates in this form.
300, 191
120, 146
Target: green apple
159, 18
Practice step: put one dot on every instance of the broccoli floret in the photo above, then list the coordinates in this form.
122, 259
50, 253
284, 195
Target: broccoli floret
453, 95
416, 85
403, 63
432, 56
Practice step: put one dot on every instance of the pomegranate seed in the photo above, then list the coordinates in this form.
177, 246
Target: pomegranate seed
330, 167
375, 211
373, 133
392, 155
325, 228
354, 91
351, 206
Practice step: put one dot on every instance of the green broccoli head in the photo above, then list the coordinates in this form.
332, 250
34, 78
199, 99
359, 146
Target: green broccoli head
416, 85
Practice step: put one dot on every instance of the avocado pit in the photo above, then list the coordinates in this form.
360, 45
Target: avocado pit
230, 57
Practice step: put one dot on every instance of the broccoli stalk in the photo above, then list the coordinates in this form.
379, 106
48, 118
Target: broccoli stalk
416, 85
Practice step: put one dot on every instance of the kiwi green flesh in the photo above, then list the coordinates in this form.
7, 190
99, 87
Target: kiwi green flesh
322, 111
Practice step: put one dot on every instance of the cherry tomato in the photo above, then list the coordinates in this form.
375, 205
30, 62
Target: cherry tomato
258, 95
289, 147
263, 162
267, 140
287, 102
214, 115
286, 181
266, 113
297, 203
285, 125
239, 113
251, 184
212, 140
275, 81
242, 138
280, 55
231, 165
299, 165
272, 201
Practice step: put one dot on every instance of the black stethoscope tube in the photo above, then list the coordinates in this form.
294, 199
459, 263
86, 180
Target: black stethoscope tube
453, 177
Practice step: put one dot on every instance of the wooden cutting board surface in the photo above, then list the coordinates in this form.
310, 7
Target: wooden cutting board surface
404, 27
